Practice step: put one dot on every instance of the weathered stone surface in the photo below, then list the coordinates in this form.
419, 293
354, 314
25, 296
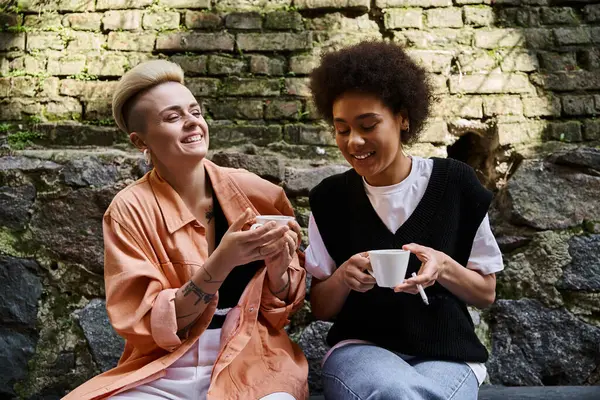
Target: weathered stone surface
75, 239
314, 345
120, 4
569, 131
534, 270
236, 109
532, 38
189, 3
10, 41
518, 60
89, 172
47, 22
15, 205
465, 106
478, 16
191, 65
83, 21
57, 5
15, 351
591, 129
228, 134
541, 106
202, 20
569, 36
161, 21
283, 109
549, 196
312, 4
568, 81
284, 20
125, 20
105, 344
250, 20
300, 181
129, 41
274, 41
551, 61
502, 105
35, 41
583, 273
433, 61
195, 41
268, 167
339, 22
87, 89
541, 346
85, 41
251, 5
222, 65
297, 87
579, 105
592, 12
559, 16
491, 83
65, 66
201, 87
435, 38
21, 289
264, 65
436, 131
309, 134
413, 3
450, 17
250, 87
404, 18
303, 64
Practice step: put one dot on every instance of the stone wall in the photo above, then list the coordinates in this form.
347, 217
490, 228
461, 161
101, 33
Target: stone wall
517, 84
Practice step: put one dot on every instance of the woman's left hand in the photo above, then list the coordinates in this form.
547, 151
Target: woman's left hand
433, 266
278, 264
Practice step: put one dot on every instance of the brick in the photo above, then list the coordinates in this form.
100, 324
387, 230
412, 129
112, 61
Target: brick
31, 65
403, 18
518, 60
251, 87
539, 38
433, 61
590, 58
49, 21
188, 3
462, 2
436, 131
97, 109
591, 129
8, 19
339, 22
236, 109
263, 65
12, 41
568, 81
82, 41
444, 17
122, 4
578, 105
439, 83
274, 41
67, 65
138, 58
297, 87
569, 131
502, 105
494, 38
5, 87
227, 134
22, 86
513, 132
203, 20
48, 87
251, 20
107, 65
56, 5
131, 41
223, 65
195, 41
283, 109
122, 20
558, 61
335, 4
519, 16
191, 65
284, 20
592, 12
203, 87
65, 108
464, 107
87, 89
42, 41
303, 63
491, 83
17, 109
559, 16
548, 106
569, 36
83, 21
161, 21
251, 5
477, 61
478, 16
413, 3
311, 111
595, 34
320, 135
435, 38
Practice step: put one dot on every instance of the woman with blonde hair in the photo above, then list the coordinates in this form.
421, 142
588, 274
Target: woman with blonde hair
200, 299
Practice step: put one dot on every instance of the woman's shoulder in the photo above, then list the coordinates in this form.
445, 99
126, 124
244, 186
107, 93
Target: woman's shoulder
250, 183
135, 196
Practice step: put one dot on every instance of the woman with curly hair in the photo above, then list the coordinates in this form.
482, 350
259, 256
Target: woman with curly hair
390, 344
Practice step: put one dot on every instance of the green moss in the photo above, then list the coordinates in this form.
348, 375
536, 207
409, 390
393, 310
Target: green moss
10, 243
22, 139
4, 128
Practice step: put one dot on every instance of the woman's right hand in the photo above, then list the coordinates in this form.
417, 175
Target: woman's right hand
354, 275
239, 247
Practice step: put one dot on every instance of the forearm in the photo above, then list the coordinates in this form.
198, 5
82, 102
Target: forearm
280, 285
468, 285
192, 298
328, 297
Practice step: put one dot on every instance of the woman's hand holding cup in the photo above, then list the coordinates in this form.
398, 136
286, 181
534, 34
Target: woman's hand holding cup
355, 275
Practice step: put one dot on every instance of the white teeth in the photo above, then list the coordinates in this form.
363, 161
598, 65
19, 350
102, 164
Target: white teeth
192, 139
363, 156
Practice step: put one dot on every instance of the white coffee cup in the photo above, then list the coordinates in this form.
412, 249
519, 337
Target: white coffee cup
280, 220
389, 266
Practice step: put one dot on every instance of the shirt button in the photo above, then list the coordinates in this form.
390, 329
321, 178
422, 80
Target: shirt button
251, 309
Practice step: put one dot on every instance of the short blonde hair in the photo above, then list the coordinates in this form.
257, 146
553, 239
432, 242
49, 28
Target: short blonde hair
140, 78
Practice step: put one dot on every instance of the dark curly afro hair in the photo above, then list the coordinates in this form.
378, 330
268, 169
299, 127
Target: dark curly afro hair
378, 68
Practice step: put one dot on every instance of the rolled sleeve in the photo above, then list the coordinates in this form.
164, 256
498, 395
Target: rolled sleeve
163, 320
485, 256
276, 311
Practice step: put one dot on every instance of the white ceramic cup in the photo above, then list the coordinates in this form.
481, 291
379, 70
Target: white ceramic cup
280, 220
389, 266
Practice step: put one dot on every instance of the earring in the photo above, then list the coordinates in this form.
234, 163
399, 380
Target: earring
147, 157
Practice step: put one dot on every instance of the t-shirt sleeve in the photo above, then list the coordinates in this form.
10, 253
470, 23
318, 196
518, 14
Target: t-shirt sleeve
486, 256
318, 262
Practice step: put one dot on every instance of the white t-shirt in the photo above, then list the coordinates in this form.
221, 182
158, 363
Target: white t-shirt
394, 204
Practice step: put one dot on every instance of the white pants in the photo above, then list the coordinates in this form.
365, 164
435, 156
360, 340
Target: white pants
189, 377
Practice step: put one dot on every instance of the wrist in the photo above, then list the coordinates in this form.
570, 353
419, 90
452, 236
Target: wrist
445, 267
218, 264
279, 285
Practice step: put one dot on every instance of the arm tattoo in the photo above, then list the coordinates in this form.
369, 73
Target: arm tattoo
202, 296
210, 214
184, 331
283, 289
210, 278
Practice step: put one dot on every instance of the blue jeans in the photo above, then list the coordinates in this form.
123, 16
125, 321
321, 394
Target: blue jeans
367, 372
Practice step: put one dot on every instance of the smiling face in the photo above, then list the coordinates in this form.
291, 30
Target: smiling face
368, 135
173, 129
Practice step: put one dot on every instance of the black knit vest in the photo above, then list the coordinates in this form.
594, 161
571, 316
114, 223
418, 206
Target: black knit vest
446, 219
